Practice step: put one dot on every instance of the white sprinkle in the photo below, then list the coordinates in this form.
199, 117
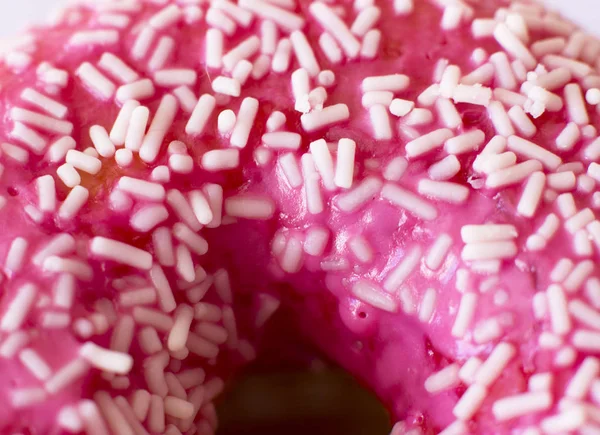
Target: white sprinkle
118, 69
46, 192
200, 115
106, 360
329, 115
469, 370
427, 142
141, 188
344, 172
120, 21
214, 194
470, 402
121, 253
513, 174
73, 203
418, 117
504, 75
586, 341
395, 168
244, 50
403, 270
13, 343
291, 169
192, 240
241, 16
27, 397
380, 122
567, 421
304, 53
138, 90
489, 251
186, 97
568, 137
370, 44
576, 107
548, 46
577, 68
478, 95
217, 19
521, 121
513, 45
101, 141
385, 98
69, 420
119, 129
449, 81
443, 380
148, 217
578, 276
579, 220
64, 291
495, 364
242, 71
245, 120
94, 37
83, 162
532, 194
123, 157
438, 251
161, 53
443, 190
581, 381
47, 104
373, 295
214, 48
250, 207
500, 119
592, 96
409, 201
29, 137
183, 209
270, 10
282, 57
330, 48
336, 27
165, 114
464, 315
465, 142
18, 309
35, 364
226, 86
60, 245
521, 404
175, 77
58, 150
95, 80
390, 83
166, 17
218, 160
557, 305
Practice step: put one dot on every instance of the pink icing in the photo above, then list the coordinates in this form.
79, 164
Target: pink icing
393, 353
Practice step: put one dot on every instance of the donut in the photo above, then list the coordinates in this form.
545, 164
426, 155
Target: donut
409, 186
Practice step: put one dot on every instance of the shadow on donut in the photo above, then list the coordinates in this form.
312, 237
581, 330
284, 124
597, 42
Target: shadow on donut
323, 401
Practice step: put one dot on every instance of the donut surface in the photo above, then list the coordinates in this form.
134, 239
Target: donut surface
414, 184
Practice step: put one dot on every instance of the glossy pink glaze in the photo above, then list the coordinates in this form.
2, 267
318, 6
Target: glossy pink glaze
391, 353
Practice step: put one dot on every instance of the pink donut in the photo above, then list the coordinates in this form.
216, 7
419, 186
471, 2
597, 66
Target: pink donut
411, 185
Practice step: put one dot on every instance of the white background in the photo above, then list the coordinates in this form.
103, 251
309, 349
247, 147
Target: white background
14, 15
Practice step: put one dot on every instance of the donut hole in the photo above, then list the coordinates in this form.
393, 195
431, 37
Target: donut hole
12, 191
292, 389
292, 402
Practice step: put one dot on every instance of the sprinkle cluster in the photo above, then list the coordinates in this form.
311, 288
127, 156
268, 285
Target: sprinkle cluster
459, 195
